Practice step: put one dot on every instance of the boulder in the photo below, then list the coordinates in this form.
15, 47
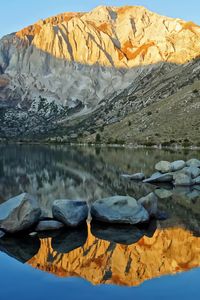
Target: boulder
197, 180
19, 213
119, 209
2, 233
49, 225
163, 193
177, 165
150, 203
163, 166
159, 177
192, 171
181, 179
70, 212
193, 162
137, 176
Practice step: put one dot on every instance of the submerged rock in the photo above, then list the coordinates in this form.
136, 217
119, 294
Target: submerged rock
181, 179
193, 162
49, 225
137, 176
197, 180
163, 166
163, 193
159, 177
19, 213
70, 212
119, 209
150, 203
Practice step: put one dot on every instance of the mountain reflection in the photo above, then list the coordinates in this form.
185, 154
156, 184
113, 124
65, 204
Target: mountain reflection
168, 251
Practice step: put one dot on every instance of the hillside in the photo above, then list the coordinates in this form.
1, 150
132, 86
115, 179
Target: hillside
71, 75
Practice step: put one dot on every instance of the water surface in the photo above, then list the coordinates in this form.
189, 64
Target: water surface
159, 259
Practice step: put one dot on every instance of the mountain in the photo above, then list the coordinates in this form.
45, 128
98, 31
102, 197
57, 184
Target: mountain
75, 74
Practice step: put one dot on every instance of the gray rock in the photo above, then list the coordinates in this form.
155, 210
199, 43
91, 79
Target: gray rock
197, 180
181, 179
137, 176
150, 203
163, 166
119, 209
49, 225
163, 193
70, 212
19, 213
2, 233
159, 177
193, 162
192, 171
177, 165
33, 234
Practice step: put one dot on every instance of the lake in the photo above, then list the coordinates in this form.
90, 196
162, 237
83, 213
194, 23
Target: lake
159, 259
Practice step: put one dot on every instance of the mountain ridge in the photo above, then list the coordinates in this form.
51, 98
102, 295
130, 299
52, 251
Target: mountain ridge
73, 64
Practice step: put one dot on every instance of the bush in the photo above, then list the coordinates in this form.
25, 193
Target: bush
129, 123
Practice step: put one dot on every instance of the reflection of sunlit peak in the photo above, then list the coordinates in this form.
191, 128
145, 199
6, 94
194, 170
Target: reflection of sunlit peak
169, 251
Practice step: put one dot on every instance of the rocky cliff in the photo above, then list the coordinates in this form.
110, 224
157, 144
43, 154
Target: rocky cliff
68, 66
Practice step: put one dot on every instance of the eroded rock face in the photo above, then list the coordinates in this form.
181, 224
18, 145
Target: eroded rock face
119, 209
19, 213
70, 212
116, 48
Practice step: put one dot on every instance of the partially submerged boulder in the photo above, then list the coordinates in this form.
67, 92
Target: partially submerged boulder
163, 193
49, 225
119, 209
177, 165
163, 167
193, 162
197, 180
150, 203
70, 212
137, 176
191, 171
159, 177
19, 213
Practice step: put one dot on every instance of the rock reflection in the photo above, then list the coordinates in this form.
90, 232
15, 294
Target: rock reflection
69, 239
168, 251
20, 248
122, 234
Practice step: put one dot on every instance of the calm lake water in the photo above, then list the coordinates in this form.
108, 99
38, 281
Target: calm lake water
161, 259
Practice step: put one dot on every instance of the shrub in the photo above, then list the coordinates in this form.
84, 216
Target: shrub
98, 138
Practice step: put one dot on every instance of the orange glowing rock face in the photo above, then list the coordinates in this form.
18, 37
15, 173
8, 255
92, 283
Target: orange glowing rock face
169, 251
115, 36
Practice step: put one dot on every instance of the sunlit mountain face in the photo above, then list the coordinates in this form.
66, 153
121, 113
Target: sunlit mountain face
81, 67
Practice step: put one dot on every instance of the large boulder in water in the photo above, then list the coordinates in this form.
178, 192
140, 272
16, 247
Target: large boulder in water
19, 213
150, 203
192, 171
119, 209
177, 165
193, 162
159, 178
70, 212
136, 176
163, 167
